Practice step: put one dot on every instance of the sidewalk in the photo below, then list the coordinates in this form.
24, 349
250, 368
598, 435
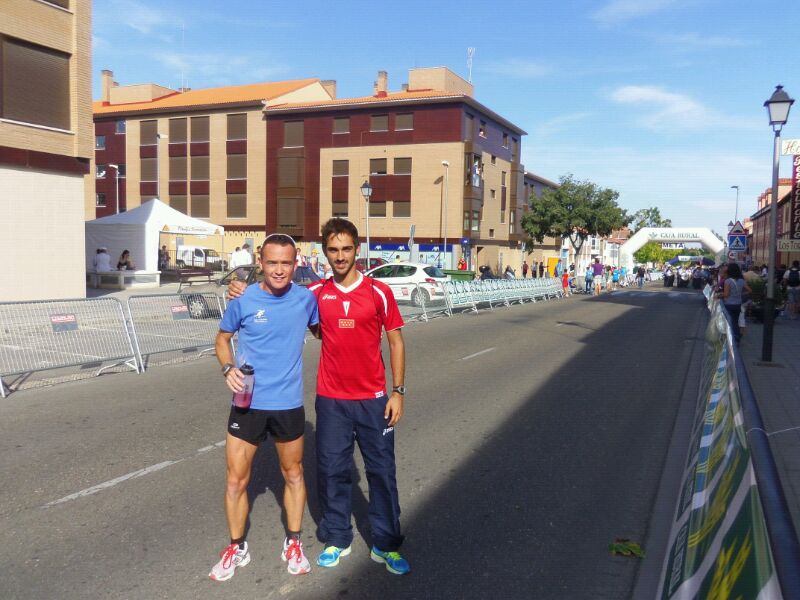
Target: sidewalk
777, 389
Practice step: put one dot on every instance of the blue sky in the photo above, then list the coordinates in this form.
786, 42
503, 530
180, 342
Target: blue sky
658, 99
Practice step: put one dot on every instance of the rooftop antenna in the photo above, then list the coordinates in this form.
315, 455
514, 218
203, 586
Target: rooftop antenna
183, 37
470, 55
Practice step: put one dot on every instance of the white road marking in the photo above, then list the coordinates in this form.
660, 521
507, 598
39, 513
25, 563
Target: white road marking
132, 475
478, 353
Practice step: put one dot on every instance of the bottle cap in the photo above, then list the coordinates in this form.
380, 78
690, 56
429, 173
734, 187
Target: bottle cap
247, 369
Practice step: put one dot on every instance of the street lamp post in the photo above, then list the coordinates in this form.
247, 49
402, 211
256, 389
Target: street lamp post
366, 191
778, 108
736, 214
116, 178
159, 136
446, 166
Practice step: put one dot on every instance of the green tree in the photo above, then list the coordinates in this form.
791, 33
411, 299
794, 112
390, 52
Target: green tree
574, 210
650, 252
648, 217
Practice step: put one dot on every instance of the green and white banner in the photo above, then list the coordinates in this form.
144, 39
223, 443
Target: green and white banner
719, 547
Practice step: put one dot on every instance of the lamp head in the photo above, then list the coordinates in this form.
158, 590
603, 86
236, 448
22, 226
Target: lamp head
445, 163
366, 190
778, 107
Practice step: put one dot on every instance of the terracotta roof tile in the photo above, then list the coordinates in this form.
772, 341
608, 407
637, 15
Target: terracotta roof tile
210, 96
390, 97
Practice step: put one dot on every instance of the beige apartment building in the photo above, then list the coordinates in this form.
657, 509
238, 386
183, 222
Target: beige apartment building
203, 152
286, 156
45, 146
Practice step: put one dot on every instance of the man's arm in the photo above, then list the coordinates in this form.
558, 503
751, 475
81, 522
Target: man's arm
397, 359
235, 289
315, 330
225, 356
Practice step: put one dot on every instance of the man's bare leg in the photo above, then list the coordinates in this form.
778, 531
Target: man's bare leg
239, 457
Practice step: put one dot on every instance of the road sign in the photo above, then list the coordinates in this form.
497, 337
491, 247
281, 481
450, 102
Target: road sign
734, 256
737, 242
737, 229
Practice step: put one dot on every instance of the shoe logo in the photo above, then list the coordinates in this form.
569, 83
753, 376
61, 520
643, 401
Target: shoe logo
346, 305
234, 426
388, 430
328, 297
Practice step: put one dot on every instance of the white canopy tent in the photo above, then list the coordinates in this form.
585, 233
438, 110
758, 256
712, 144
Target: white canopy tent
138, 231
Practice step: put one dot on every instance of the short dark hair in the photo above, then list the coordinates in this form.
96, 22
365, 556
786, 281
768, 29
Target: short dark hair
337, 225
734, 271
280, 239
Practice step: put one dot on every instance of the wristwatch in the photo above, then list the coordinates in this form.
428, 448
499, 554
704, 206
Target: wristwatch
226, 368
400, 389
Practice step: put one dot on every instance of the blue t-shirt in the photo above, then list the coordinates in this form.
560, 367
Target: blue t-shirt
271, 333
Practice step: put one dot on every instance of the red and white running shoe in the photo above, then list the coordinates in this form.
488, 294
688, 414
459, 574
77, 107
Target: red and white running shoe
231, 557
297, 563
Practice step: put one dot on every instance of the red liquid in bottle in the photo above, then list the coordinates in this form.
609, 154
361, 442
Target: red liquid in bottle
245, 397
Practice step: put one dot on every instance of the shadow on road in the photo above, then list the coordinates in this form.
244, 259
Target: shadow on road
529, 513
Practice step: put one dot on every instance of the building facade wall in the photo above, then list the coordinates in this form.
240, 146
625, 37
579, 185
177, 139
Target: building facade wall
42, 168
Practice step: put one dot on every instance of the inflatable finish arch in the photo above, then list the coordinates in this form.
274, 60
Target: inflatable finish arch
672, 235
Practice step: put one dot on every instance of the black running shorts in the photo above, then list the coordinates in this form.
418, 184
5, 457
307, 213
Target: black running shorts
254, 426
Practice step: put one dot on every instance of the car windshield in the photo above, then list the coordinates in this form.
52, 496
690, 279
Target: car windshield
434, 272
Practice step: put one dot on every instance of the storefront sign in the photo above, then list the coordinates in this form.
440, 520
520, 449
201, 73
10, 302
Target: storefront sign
794, 205
788, 245
790, 147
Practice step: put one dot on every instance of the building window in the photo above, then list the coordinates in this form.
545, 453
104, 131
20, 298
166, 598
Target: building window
379, 123
466, 220
100, 171
147, 133
61, 3
290, 213
237, 206
494, 159
491, 233
237, 127
177, 168
99, 142
341, 125
482, 130
34, 84
404, 122
377, 166
505, 140
122, 170
341, 168
502, 216
148, 169
179, 203
469, 128
476, 216
177, 131
402, 166
199, 129
291, 174
401, 210
120, 127
199, 168
493, 194
339, 209
99, 199
377, 209
201, 208
237, 166
293, 134
502, 178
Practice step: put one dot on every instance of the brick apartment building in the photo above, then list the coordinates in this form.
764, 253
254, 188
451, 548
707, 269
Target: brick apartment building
286, 156
758, 241
45, 146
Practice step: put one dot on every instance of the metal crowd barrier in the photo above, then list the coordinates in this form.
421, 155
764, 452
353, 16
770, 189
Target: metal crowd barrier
732, 534
172, 322
54, 334
468, 296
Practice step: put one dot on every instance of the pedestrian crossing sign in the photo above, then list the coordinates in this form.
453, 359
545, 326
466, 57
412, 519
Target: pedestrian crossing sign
737, 243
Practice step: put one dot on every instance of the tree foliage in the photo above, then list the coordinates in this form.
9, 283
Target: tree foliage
575, 210
648, 217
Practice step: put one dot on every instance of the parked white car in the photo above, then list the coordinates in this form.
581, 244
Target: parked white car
196, 256
403, 276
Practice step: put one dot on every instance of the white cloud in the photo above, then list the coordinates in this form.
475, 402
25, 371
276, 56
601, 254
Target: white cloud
140, 17
204, 70
670, 111
618, 11
696, 41
518, 68
558, 124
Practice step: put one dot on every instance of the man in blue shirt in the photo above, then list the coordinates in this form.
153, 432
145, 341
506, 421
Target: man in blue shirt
271, 319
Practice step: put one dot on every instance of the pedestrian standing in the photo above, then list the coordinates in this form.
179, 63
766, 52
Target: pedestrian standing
270, 318
524, 269
541, 269
791, 278
588, 277
597, 276
640, 272
732, 295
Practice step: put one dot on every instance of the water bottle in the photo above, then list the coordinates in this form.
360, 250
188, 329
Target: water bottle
242, 399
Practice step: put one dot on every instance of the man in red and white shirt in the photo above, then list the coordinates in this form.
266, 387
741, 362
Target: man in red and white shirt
352, 404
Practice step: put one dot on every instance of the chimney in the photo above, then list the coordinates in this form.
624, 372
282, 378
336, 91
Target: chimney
106, 83
382, 85
404, 87
330, 87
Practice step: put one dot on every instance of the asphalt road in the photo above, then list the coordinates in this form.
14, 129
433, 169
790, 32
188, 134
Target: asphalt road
516, 466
